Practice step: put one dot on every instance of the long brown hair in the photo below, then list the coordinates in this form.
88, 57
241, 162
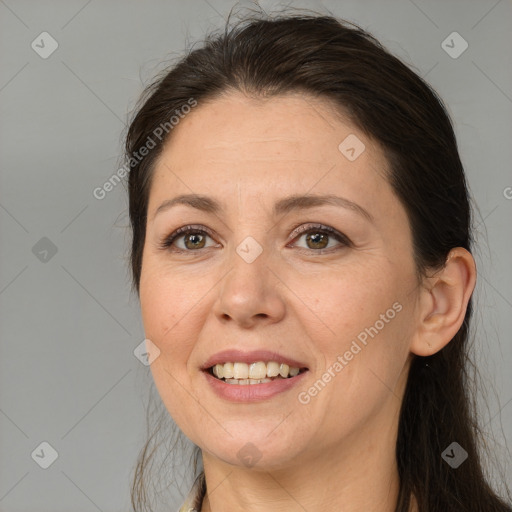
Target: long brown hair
339, 61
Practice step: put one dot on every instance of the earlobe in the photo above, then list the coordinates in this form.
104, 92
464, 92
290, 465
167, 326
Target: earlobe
443, 303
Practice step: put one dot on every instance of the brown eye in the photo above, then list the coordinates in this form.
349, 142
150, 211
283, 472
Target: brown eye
196, 241
193, 239
318, 238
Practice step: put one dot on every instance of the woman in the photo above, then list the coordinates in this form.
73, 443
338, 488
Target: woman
302, 254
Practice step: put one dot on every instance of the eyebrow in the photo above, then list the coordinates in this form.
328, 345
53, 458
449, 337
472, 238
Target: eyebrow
281, 207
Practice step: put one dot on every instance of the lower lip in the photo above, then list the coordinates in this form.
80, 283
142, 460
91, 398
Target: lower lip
252, 392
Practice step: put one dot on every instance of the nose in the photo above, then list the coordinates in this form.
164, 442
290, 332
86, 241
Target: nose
249, 294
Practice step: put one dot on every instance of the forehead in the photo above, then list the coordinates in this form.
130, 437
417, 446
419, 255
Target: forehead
263, 128
261, 144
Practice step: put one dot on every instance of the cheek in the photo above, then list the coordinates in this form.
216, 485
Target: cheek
365, 323
168, 319
168, 305
166, 323
348, 302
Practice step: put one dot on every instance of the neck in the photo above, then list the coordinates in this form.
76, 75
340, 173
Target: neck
352, 477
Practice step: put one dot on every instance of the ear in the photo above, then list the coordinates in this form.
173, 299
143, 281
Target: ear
443, 303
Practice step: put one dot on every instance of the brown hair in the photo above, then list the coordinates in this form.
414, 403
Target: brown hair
339, 61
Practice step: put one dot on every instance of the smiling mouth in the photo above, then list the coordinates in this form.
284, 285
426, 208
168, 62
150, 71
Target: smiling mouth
259, 372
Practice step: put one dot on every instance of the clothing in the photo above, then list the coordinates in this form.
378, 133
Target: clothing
194, 500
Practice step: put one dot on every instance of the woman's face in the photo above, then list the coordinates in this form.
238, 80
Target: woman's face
342, 304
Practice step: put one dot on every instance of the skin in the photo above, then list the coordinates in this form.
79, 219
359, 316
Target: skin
326, 454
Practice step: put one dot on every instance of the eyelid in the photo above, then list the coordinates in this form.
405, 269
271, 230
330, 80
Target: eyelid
311, 226
168, 240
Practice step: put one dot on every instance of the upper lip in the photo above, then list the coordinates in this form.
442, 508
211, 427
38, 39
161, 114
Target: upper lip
238, 356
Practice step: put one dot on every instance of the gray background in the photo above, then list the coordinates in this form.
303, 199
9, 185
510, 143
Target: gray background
69, 325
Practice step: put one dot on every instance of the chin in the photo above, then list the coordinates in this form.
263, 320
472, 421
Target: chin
255, 450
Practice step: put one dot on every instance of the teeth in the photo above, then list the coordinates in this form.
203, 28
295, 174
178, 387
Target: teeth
228, 370
258, 370
284, 370
240, 370
245, 382
272, 369
218, 371
294, 371
254, 373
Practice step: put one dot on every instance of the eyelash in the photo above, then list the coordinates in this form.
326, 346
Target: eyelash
317, 228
